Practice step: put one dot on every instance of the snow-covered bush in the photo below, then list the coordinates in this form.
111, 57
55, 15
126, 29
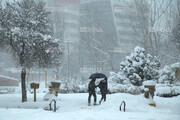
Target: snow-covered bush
73, 87
166, 76
175, 90
168, 91
119, 78
139, 67
120, 88
162, 91
118, 83
166, 83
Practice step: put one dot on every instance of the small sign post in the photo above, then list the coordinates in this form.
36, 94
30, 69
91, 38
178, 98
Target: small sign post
34, 86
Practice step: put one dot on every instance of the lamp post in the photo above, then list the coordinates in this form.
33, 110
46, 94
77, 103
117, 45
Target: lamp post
68, 57
45, 78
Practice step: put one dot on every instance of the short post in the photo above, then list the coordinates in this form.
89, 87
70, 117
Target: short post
34, 86
45, 79
149, 88
123, 102
55, 86
54, 106
34, 95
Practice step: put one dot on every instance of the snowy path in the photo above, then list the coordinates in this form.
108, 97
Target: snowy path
74, 107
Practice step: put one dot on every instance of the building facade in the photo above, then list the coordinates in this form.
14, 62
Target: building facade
122, 10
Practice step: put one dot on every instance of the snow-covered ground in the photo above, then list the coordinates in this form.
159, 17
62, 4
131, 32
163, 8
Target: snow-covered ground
74, 107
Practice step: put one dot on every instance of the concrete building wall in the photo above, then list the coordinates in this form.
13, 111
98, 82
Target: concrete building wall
65, 14
121, 11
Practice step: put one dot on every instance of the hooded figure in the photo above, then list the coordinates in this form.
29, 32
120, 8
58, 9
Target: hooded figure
91, 90
103, 88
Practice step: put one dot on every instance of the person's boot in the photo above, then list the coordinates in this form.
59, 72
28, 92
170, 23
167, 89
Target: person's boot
89, 104
100, 101
95, 104
105, 99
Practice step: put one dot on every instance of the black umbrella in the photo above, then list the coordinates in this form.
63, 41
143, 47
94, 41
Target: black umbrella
97, 75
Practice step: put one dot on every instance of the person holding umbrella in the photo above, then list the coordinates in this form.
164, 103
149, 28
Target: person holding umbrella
103, 88
92, 86
91, 90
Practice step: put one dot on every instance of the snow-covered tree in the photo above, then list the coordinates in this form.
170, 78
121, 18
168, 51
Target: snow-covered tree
139, 67
26, 31
151, 68
166, 76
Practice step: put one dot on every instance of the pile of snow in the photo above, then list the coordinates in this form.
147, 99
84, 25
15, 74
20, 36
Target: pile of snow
167, 90
120, 88
149, 83
3, 91
175, 90
146, 89
163, 90
9, 89
151, 101
36, 82
175, 65
49, 97
56, 81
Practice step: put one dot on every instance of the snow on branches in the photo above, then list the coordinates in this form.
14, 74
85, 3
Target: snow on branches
27, 33
139, 67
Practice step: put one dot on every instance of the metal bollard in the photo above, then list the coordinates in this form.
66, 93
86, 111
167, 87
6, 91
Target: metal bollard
54, 105
123, 102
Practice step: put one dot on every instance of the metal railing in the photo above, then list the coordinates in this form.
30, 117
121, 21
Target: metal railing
123, 102
54, 105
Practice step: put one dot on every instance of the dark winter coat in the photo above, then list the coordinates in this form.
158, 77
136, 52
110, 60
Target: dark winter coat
91, 86
103, 86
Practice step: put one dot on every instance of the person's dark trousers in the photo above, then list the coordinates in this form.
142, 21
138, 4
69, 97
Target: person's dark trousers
94, 95
103, 94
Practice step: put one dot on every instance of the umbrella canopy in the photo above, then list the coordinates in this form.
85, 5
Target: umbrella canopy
97, 75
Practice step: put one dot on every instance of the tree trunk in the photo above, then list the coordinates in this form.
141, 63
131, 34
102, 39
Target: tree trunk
23, 84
